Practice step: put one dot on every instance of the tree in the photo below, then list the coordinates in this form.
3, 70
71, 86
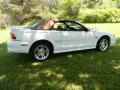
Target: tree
118, 3
5, 18
93, 3
70, 8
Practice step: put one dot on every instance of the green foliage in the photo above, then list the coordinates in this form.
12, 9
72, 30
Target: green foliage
1, 22
118, 3
90, 3
70, 8
101, 16
92, 11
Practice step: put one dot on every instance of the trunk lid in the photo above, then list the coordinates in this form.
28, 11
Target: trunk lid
17, 32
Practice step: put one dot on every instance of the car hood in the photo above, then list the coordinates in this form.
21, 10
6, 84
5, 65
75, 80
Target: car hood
98, 30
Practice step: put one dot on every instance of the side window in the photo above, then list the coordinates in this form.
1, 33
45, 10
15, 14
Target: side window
59, 26
74, 26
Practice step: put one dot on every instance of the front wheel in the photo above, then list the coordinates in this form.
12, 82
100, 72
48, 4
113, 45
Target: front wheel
40, 52
103, 44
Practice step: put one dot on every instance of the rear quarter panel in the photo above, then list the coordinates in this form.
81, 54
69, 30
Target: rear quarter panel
31, 36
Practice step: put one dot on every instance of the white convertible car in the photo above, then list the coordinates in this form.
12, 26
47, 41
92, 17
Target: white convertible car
55, 36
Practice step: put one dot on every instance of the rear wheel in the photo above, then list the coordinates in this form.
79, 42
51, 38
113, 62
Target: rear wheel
103, 44
40, 51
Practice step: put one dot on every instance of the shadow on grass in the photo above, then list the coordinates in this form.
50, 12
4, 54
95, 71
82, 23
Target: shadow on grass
81, 70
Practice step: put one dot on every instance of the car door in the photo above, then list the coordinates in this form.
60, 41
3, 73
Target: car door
67, 40
75, 37
85, 39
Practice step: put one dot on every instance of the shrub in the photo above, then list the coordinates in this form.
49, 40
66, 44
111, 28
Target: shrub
100, 16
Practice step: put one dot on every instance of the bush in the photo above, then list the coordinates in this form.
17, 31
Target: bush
93, 18
100, 16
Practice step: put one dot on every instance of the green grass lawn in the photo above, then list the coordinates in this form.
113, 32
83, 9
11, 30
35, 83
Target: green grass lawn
81, 70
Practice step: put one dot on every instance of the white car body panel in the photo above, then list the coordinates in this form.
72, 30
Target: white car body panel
62, 41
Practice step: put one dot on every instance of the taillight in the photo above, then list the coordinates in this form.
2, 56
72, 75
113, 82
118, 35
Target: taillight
13, 36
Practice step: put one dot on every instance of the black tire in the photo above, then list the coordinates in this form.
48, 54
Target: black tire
34, 49
105, 46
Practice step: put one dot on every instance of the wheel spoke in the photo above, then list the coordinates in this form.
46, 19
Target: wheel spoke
42, 48
45, 51
103, 44
41, 52
38, 55
43, 56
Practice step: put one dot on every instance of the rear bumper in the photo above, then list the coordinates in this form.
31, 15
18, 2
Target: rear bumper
17, 47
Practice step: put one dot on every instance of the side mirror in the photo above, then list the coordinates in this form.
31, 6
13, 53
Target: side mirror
85, 29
